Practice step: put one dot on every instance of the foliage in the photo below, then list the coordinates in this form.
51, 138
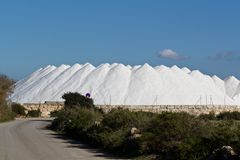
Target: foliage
119, 118
54, 113
34, 113
5, 89
167, 135
229, 115
210, 116
76, 99
18, 109
172, 135
6, 114
76, 120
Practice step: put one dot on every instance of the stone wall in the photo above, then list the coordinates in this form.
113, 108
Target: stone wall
48, 107
45, 108
191, 109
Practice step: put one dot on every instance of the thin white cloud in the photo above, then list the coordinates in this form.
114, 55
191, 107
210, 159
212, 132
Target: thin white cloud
226, 56
170, 54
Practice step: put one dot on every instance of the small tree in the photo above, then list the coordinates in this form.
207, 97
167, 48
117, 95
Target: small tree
18, 109
76, 99
6, 86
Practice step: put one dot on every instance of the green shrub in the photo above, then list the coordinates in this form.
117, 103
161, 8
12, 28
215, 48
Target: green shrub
118, 118
229, 115
114, 140
210, 116
123, 118
173, 135
5, 89
224, 133
58, 123
76, 120
116, 126
77, 100
18, 109
168, 135
80, 120
6, 114
34, 113
54, 113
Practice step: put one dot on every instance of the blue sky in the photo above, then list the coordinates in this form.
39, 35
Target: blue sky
202, 35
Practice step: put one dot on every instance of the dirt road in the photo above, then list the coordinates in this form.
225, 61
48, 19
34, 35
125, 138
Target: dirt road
27, 139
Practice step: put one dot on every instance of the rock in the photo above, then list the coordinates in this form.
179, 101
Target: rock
224, 153
136, 136
135, 131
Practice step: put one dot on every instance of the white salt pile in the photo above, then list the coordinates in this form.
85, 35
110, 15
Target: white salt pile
117, 84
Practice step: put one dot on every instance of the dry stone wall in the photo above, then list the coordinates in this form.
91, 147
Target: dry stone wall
48, 107
45, 108
191, 109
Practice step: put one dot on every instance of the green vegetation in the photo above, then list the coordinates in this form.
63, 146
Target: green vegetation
6, 114
5, 88
76, 99
34, 113
229, 116
142, 135
18, 109
54, 113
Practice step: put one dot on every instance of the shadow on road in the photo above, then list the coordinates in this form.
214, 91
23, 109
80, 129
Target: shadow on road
74, 143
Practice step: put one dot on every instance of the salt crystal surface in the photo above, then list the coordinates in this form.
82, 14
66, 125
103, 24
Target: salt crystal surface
117, 84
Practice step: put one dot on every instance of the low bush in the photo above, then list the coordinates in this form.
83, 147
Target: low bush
18, 109
174, 136
6, 114
76, 120
229, 115
77, 100
167, 136
34, 113
80, 120
6, 84
54, 113
210, 116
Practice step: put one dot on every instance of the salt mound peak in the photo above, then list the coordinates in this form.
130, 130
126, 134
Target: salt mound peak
232, 79
161, 68
136, 67
105, 65
88, 65
146, 66
121, 66
128, 66
64, 66
196, 74
186, 70
113, 65
175, 68
216, 78
231, 85
119, 84
76, 65
49, 66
